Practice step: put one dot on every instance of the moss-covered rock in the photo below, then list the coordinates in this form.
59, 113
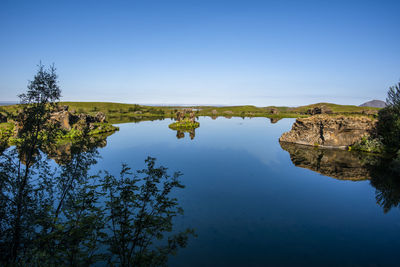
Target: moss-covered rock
184, 125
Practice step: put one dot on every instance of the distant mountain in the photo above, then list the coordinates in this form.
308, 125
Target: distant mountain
374, 104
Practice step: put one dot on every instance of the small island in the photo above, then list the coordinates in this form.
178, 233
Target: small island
185, 121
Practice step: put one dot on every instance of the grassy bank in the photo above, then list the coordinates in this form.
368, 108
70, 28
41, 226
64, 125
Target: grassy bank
121, 113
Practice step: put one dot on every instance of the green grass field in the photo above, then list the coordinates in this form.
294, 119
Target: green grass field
120, 113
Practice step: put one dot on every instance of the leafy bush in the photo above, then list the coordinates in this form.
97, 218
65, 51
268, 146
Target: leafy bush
388, 126
369, 144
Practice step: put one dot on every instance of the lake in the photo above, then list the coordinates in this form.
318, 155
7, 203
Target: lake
252, 203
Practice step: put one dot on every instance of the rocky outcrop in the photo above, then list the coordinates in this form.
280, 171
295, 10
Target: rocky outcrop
274, 111
319, 110
370, 112
335, 163
329, 131
3, 118
67, 120
62, 117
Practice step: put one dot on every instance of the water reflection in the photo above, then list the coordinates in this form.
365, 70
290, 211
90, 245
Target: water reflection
181, 134
66, 215
345, 165
62, 153
274, 120
335, 163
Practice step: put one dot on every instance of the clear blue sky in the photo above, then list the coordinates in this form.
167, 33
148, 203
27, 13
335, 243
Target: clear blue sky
204, 52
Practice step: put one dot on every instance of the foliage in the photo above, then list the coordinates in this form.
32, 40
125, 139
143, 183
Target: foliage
184, 125
388, 126
386, 181
6, 131
57, 216
140, 212
120, 113
369, 144
70, 217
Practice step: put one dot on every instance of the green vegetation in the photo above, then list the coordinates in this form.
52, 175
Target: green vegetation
386, 139
121, 113
184, 125
67, 215
98, 129
389, 120
369, 144
58, 136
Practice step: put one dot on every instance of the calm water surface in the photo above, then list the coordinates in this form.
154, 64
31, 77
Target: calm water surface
251, 206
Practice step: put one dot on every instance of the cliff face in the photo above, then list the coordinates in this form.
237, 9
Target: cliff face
328, 131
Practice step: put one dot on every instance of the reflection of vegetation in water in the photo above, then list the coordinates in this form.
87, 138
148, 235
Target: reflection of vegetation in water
62, 217
62, 152
66, 216
387, 185
346, 165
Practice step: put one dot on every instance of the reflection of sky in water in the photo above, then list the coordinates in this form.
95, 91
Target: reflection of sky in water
250, 205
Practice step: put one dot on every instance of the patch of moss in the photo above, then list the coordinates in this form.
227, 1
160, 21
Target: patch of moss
183, 125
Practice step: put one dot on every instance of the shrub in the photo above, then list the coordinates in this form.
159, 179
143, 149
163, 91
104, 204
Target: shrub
388, 126
369, 144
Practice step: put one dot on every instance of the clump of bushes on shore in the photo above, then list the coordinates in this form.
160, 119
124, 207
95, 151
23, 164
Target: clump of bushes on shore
386, 139
388, 126
369, 144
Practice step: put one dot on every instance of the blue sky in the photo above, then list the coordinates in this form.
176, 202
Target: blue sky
204, 52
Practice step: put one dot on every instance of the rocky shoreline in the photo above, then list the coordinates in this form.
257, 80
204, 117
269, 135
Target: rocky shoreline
69, 125
329, 131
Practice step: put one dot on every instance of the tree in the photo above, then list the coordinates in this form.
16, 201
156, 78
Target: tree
66, 216
33, 130
388, 126
140, 211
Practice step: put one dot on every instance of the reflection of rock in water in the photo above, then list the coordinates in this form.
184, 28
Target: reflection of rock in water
192, 134
62, 153
181, 134
274, 120
345, 165
336, 163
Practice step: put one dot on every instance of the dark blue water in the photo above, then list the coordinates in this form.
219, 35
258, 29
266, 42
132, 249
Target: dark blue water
251, 206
